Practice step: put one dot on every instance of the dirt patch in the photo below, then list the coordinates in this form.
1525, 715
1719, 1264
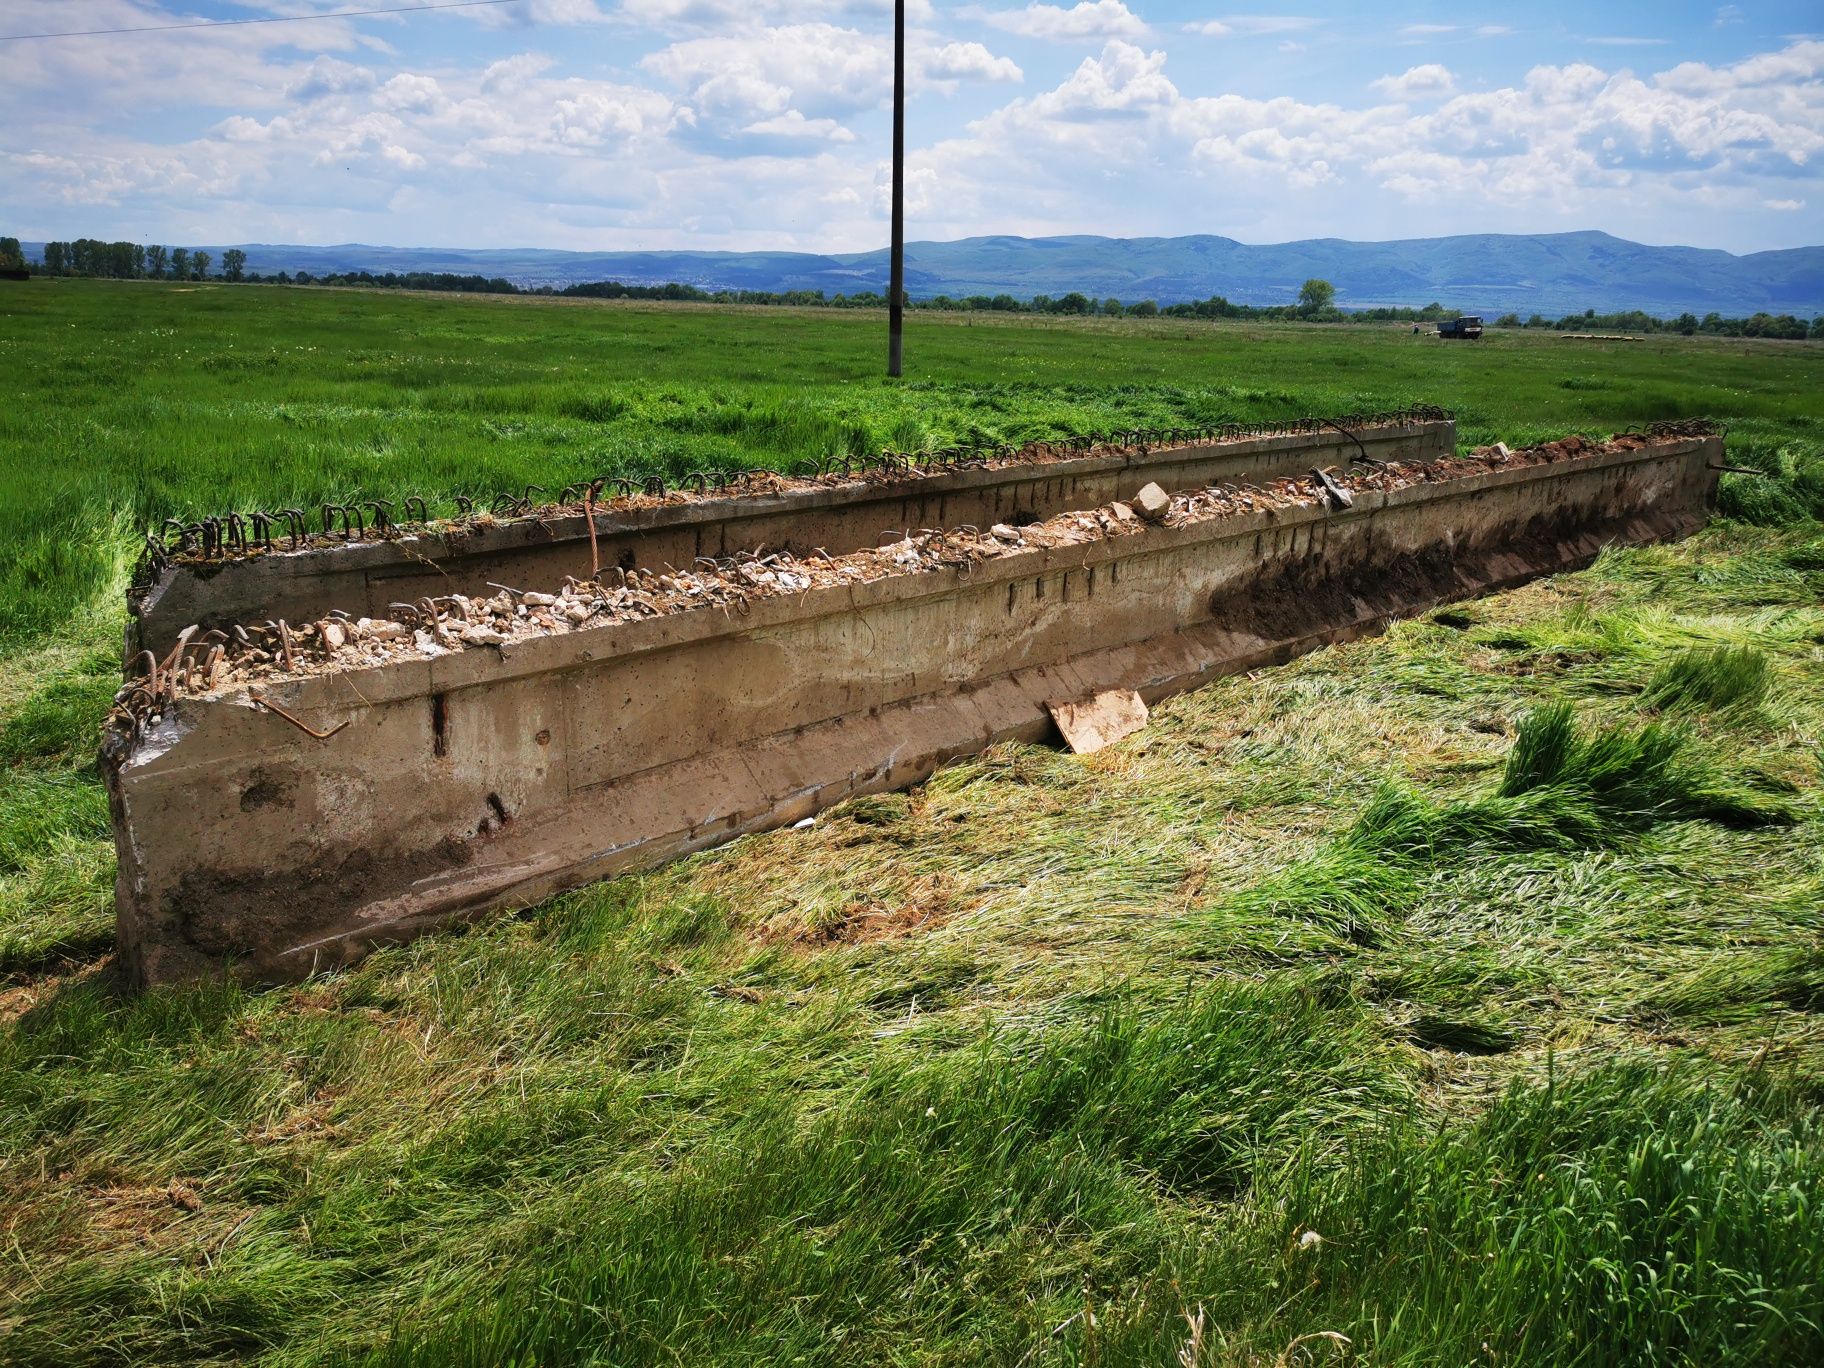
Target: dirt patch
25, 992
926, 903
310, 1122
136, 1215
19, 999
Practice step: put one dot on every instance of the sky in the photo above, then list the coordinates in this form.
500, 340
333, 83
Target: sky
765, 124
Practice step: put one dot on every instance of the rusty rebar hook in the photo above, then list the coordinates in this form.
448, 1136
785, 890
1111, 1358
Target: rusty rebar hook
301, 725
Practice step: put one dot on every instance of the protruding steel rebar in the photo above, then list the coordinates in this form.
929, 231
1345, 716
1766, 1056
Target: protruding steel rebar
299, 723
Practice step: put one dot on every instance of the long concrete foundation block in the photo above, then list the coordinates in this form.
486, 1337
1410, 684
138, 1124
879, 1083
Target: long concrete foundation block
493, 778
362, 578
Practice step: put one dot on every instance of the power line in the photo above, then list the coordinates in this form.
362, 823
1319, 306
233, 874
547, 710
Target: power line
267, 19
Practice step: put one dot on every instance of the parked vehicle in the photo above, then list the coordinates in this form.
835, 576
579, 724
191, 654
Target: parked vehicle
1466, 329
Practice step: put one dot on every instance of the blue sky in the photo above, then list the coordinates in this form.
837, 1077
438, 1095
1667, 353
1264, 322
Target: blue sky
762, 123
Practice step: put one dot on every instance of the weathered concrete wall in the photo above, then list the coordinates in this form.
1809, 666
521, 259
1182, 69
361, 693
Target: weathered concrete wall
362, 578
488, 778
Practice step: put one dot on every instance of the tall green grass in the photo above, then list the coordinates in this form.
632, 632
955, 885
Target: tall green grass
908, 1220
1633, 1216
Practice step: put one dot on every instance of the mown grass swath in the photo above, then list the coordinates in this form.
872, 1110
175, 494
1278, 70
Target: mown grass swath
1710, 677
1563, 789
1453, 993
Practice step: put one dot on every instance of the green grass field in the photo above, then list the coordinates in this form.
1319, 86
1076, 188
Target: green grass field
1451, 997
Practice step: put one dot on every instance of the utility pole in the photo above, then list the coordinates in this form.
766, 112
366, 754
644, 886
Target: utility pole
896, 274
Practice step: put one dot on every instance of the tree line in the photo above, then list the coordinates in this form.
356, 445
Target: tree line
1316, 298
126, 260
1781, 326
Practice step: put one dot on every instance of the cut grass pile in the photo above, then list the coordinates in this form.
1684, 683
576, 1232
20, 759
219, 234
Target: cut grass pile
1710, 677
1455, 996
1562, 790
1790, 489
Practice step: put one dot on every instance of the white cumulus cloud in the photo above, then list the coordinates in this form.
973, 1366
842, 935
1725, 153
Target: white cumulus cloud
1426, 82
1088, 19
967, 62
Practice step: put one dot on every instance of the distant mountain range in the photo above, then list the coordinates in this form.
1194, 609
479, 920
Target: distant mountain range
1486, 273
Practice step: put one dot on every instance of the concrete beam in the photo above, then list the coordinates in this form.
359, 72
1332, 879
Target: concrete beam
491, 778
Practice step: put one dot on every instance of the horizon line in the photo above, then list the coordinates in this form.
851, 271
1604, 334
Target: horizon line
979, 237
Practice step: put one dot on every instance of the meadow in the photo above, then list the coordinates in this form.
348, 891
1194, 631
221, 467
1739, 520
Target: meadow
1447, 997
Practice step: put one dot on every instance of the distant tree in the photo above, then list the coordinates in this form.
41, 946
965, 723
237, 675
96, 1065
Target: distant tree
157, 260
1076, 302
1146, 308
1508, 320
1817, 328
199, 266
1782, 326
180, 263
56, 258
1316, 296
10, 252
1112, 307
234, 264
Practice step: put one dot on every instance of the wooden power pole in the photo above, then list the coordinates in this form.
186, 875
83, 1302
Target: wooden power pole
896, 274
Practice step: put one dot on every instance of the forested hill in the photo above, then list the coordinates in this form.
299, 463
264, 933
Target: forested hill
1489, 274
